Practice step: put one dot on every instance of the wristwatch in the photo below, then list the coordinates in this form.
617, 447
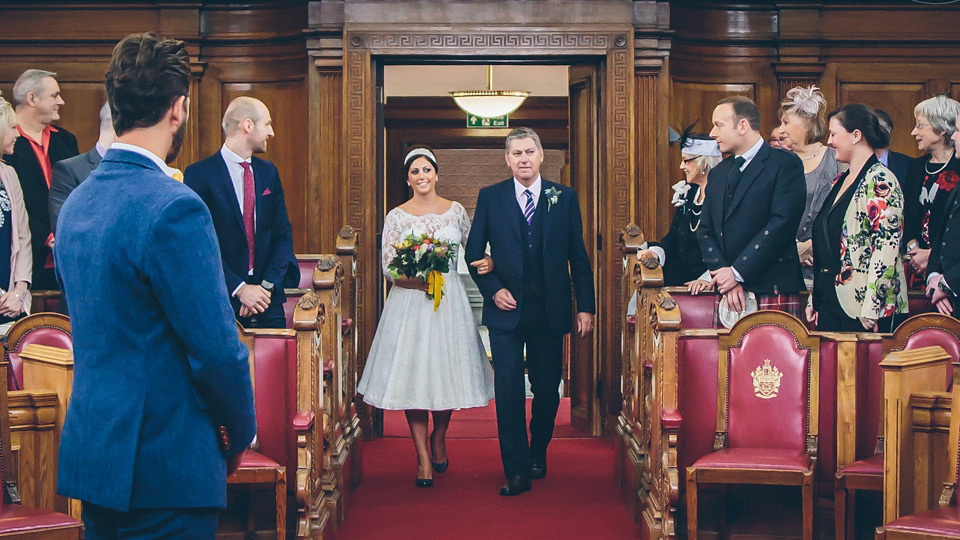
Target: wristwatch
267, 285
942, 285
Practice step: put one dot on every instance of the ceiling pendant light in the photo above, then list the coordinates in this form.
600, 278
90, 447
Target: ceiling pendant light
489, 103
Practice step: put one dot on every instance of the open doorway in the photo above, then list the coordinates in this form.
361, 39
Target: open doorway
564, 110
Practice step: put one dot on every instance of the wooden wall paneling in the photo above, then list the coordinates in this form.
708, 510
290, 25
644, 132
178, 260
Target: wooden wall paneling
33, 439
326, 187
897, 99
286, 101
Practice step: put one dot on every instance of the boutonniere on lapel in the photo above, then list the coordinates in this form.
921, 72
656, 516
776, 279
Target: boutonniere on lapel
553, 195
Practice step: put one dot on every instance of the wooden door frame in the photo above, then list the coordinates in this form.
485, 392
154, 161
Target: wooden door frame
614, 190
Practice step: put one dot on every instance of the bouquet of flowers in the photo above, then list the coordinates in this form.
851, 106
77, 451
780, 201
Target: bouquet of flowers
423, 257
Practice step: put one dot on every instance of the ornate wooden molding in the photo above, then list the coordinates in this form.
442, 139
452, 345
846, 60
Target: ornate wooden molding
522, 42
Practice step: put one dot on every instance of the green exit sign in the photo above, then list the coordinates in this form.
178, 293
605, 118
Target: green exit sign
481, 122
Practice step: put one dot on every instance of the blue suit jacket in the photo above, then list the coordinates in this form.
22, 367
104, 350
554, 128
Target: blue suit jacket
158, 365
497, 221
273, 258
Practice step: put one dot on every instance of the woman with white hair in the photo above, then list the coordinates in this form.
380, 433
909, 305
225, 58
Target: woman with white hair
15, 271
802, 119
679, 250
931, 178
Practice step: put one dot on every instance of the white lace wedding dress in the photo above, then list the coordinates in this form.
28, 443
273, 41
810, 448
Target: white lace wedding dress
421, 358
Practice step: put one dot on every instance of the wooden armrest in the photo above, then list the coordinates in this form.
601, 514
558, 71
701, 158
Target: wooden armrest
303, 420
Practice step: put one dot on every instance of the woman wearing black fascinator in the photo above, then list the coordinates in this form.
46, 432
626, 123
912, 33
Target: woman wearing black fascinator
678, 251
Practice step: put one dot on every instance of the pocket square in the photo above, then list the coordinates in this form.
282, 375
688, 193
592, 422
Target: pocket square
265, 192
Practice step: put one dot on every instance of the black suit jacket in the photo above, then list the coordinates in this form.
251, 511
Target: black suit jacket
36, 194
273, 258
496, 221
898, 163
67, 175
945, 248
755, 234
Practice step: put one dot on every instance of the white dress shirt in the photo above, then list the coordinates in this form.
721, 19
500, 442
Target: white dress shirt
147, 154
233, 162
750, 154
521, 198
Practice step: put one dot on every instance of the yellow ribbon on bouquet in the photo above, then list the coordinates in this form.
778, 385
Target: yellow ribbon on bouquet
435, 287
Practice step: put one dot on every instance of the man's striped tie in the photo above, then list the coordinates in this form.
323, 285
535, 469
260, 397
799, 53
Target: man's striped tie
528, 208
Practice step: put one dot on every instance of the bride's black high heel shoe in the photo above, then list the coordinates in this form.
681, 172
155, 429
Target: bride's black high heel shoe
439, 467
424, 482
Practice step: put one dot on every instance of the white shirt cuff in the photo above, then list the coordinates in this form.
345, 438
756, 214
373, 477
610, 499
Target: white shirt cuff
236, 292
737, 274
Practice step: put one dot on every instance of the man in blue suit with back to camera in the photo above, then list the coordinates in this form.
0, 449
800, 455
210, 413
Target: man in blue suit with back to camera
245, 198
535, 233
162, 403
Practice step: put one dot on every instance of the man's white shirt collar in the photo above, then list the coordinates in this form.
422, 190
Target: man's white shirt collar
147, 154
231, 156
520, 188
751, 153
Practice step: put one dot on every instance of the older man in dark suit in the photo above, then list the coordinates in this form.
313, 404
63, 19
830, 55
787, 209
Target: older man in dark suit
159, 367
245, 198
753, 206
41, 145
535, 233
68, 173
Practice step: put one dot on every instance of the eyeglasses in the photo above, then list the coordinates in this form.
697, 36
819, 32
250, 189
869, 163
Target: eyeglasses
688, 160
921, 126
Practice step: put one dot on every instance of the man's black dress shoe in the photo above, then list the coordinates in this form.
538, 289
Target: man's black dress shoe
515, 485
538, 470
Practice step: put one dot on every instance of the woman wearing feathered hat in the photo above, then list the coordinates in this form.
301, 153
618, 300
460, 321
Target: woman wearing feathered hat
678, 251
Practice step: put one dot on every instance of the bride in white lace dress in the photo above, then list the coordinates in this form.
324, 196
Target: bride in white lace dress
423, 360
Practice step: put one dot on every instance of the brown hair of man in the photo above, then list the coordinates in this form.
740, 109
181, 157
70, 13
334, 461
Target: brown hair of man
147, 75
743, 109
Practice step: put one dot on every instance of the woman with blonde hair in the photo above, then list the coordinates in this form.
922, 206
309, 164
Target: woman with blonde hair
15, 271
802, 120
931, 178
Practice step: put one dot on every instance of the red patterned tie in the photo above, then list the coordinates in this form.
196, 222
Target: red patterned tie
249, 201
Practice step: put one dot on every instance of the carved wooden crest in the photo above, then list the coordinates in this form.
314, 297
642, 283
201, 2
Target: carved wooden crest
308, 301
667, 302
347, 232
326, 263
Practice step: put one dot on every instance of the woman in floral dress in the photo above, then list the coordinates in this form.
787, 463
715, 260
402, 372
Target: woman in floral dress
858, 278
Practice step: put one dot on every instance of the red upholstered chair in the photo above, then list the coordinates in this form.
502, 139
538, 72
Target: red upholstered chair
293, 297
767, 411
695, 311
52, 329
273, 371
867, 472
307, 262
942, 522
24, 522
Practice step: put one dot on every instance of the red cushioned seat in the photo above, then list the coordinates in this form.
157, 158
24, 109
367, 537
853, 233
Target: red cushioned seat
15, 518
872, 465
252, 459
943, 521
756, 458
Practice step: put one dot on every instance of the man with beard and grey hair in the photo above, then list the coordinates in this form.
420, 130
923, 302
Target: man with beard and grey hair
245, 198
162, 402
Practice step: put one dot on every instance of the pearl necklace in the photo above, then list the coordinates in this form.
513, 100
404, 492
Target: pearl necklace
815, 154
926, 170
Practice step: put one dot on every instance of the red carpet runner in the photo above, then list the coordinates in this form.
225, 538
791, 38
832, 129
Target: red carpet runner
578, 499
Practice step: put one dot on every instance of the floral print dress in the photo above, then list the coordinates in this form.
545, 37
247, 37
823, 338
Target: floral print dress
871, 281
